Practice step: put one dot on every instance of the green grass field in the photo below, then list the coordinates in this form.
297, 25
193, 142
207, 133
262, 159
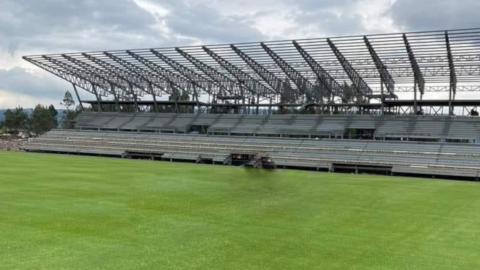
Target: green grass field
69, 212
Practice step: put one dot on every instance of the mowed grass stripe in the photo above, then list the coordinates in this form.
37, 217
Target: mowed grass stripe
71, 212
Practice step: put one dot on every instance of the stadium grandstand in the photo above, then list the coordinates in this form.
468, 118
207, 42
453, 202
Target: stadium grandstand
352, 103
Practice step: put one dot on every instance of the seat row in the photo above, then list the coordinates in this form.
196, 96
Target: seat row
384, 126
402, 157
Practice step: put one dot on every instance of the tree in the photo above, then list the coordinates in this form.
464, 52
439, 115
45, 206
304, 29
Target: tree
182, 96
54, 114
352, 95
3, 127
41, 120
185, 96
68, 119
349, 93
68, 100
16, 119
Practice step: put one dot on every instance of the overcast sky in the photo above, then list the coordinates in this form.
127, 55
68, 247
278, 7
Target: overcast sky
57, 26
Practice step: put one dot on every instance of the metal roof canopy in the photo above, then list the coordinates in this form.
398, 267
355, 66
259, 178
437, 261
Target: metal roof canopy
307, 70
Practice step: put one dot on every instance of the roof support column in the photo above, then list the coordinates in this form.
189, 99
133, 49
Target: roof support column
453, 75
308, 91
281, 88
258, 104
155, 105
383, 97
195, 95
252, 85
419, 80
94, 88
115, 96
385, 76
134, 97
358, 82
451, 97
225, 83
175, 97
243, 101
415, 98
325, 79
78, 97
145, 75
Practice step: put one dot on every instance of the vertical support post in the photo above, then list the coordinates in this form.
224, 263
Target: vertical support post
453, 75
385, 76
155, 105
78, 97
383, 98
450, 107
210, 102
196, 99
177, 109
415, 98
244, 110
453, 99
94, 87
175, 97
137, 108
115, 96
419, 80
321, 87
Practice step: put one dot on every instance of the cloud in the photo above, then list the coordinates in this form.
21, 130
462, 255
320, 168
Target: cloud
64, 24
435, 14
21, 87
12, 100
213, 27
19, 81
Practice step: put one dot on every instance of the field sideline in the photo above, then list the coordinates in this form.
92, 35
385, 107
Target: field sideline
70, 212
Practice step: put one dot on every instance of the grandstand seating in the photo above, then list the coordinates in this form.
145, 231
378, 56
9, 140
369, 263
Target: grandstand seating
332, 126
424, 158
